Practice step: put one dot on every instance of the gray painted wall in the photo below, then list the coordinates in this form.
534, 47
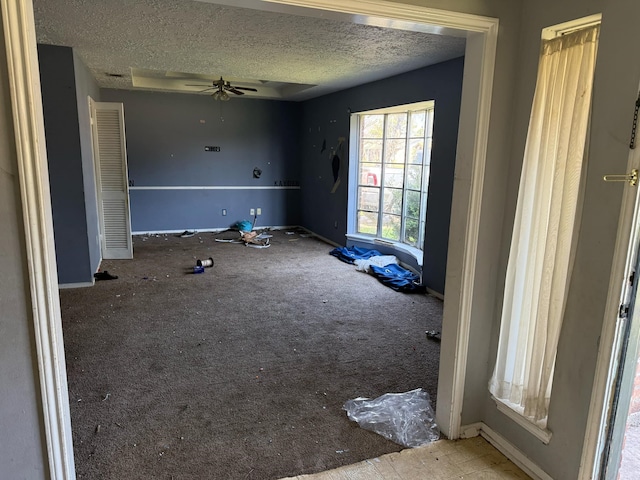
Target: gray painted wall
66, 175
22, 451
166, 135
87, 87
616, 83
327, 118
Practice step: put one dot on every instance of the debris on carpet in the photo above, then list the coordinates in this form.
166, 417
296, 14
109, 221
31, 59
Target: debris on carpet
248, 236
398, 278
205, 263
105, 275
405, 418
433, 335
385, 268
351, 254
198, 269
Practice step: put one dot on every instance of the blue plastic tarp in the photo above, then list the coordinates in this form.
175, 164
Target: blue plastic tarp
398, 278
351, 254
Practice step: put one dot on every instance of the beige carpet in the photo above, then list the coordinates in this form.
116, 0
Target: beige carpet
239, 372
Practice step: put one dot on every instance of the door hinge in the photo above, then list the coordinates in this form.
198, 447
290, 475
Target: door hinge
634, 126
623, 311
632, 278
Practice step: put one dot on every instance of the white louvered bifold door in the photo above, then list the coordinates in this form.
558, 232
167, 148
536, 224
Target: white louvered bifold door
112, 180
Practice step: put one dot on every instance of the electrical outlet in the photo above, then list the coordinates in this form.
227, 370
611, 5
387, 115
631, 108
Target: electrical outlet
224, 212
252, 211
259, 211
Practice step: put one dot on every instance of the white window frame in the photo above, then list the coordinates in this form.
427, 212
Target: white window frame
355, 180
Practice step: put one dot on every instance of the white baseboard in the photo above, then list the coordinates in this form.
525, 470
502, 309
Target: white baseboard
506, 448
76, 285
433, 293
320, 237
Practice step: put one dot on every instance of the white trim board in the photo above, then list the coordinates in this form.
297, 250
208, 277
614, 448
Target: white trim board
471, 155
507, 449
62, 286
542, 434
28, 123
415, 253
214, 187
433, 293
320, 237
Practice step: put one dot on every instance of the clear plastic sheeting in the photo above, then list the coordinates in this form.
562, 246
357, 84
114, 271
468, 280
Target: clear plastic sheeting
404, 418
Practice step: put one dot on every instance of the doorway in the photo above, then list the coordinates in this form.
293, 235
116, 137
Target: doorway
610, 416
112, 184
621, 438
472, 146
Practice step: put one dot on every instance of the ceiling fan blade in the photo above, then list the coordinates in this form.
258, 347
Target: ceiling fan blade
233, 90
196, 85
246, 88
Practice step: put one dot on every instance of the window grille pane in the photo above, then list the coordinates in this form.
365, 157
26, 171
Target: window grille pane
411, 231
394, 175
412, 204
414, 177
391, 227
392, 201
370, 174
394, 151
368, 199
417, 123
416, 151
371, 151
368, 223
371, 126
396, 125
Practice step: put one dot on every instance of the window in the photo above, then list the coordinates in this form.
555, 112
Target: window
393, 153
543, 239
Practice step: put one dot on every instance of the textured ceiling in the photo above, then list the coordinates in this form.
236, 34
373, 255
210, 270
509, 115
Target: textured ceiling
183, 41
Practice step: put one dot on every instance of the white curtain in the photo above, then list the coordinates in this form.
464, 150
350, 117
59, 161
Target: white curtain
540, 255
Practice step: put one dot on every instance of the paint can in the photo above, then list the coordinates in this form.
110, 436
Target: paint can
205, 263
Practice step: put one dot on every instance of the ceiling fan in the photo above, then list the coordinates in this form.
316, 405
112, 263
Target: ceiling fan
221, 87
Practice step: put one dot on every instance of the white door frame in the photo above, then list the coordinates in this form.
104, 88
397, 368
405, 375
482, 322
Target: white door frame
19, 28
96, 180
480, 53
28, 122
610, 336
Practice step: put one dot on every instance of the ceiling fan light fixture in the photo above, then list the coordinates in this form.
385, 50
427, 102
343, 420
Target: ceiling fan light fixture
220, 95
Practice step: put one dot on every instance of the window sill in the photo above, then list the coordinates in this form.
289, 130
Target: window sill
542, 434
416, 253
